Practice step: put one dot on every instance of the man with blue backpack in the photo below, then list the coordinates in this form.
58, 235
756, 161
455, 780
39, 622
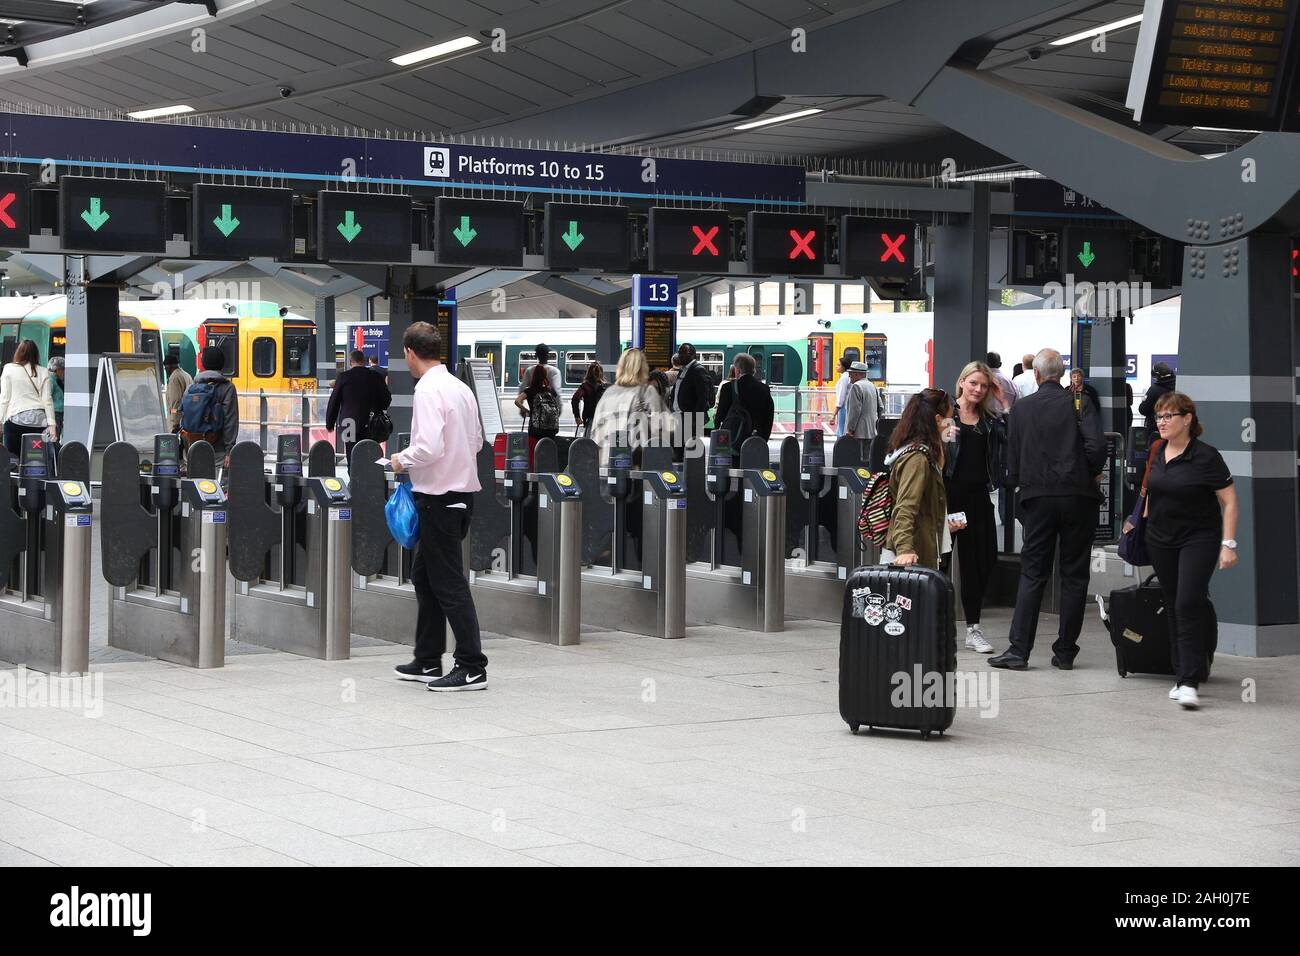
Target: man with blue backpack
210, 405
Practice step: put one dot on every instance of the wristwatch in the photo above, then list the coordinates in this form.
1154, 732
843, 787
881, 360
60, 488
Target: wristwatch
1230, 543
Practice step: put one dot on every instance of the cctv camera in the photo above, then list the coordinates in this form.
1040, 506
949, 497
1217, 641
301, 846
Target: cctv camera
864, 326
1035, 53
286, 91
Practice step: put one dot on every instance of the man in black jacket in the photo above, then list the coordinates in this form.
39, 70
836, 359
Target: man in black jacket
745, 390
1162, 383
358, 393
1054, 456
692, 395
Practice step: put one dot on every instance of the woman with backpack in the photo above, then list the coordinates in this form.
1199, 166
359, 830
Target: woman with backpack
974, 465
26, 398
632, 408
919, 532
587, 397
540, 404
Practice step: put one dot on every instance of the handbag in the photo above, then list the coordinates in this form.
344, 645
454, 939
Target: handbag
1133, 543
32, 417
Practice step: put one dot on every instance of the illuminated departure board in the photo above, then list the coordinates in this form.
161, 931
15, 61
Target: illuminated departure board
659, 337
1217, 63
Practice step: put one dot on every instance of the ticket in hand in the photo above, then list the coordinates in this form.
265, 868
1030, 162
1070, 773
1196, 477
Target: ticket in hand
958, 517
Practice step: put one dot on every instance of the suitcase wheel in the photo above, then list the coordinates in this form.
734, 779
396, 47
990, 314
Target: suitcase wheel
853, 728
925, 735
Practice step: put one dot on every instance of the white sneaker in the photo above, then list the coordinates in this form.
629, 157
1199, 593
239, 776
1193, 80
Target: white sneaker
1188, 697
975, 640
1173, 691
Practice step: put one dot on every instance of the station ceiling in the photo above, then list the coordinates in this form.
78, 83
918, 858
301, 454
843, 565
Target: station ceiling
326, 64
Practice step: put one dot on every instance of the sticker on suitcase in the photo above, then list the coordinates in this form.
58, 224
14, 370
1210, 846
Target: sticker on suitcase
877, 609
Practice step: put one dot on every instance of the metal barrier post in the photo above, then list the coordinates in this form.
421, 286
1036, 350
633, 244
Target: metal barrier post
305, 428
263, 413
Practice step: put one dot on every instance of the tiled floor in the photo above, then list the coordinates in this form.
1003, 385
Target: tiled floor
723, 748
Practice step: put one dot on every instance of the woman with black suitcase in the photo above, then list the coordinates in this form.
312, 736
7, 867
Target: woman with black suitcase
974, 465
1191, 512
919, 532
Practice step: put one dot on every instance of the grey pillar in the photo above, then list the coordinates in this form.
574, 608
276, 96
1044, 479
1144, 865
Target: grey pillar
961, 290
1108, 370
809, 292
609, 345
92, 331
703, 301
1236, 362
326, 367
401, 313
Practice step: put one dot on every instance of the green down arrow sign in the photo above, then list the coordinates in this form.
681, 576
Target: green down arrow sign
1087, 257
94, 216
466, 233
226, 222
573, 238
349, 228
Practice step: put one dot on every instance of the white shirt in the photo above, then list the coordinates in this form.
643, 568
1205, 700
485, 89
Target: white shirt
446, 435
552, 375
842, 389
1025, 383
21, 390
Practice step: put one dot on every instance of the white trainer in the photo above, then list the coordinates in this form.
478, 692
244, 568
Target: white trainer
1173, 691
1188, 697
975, 640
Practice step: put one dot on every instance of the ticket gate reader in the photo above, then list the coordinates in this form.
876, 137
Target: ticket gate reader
644, 593
163, 552
290, 547
545, 606
45, 534
828, 547
749, 503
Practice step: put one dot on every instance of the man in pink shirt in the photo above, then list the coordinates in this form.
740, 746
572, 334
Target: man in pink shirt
442, 462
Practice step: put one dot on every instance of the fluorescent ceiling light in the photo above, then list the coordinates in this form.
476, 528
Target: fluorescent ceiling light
1097, 31
438, 49
778, 119
1223, 129
160, 111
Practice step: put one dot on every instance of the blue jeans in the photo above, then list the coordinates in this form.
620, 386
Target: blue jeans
839, 422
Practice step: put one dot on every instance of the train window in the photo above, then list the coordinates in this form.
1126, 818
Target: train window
228, 342
758, 354
526, 361
8, 343
876, 355
264, 356
576, 365
714, 363
819, 359
853, 354
776, 367
299, 351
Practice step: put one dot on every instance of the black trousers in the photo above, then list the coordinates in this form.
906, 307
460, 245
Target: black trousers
438, 575
14, 436
976, 545
1068, 522
1184, 574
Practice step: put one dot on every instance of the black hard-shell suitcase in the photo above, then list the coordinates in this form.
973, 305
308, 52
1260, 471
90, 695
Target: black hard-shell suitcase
1139, 625
897, 621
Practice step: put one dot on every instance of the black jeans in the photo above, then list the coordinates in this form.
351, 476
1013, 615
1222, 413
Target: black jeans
976, 545
14, 436
438, 575
1184, 574
1070, 522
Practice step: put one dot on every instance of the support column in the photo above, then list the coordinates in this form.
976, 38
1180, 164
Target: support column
961, 290
703, 301
401, 313
92, 330
609, 345
1236, 362
326, 362
1108, 370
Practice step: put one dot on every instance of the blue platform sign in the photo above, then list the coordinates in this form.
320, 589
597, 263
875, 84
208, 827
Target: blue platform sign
654, 318
280, 157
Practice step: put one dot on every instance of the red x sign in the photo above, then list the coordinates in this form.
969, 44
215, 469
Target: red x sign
706, 240
803, 244
7, 220
1295, 254
893, 248
36, 444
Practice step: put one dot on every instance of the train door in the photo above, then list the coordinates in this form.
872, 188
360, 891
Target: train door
225, 336
493, 353
299, 346
821, 361
776, 367
877, 359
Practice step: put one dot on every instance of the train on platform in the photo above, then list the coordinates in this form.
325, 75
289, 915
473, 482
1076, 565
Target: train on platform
266, 348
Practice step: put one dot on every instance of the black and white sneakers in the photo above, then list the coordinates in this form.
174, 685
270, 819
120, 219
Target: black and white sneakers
460, 679
418, 671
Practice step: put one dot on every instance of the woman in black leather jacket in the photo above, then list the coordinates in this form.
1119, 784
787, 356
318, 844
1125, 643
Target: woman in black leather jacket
974, 465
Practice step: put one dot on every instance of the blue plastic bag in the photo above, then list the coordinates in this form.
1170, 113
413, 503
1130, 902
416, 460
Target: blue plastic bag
403, 520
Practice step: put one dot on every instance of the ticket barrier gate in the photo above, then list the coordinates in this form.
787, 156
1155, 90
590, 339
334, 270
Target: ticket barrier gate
290, 551
384, 604
45, 534
545, 606
634, 540
736, 570
163, 552
823, 521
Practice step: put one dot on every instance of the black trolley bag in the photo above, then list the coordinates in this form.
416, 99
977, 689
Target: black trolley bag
898, 635
1141, 629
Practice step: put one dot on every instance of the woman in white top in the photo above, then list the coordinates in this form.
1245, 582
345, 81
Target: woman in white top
633, 407
842, 386
26, 398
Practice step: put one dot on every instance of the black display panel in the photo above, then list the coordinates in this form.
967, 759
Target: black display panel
877, 247
478, 232
658, 336
112, 215
580, 236
689, 240
1222, 63
783, 243
241, 222
1096, 255
363, 227
15, 228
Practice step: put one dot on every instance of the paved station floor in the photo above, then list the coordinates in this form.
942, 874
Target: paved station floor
723, 748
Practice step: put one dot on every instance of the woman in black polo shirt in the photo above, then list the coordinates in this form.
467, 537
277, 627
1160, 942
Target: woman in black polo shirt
1191, 522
